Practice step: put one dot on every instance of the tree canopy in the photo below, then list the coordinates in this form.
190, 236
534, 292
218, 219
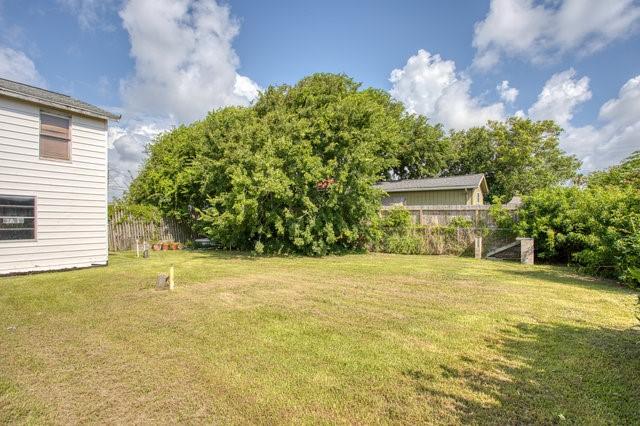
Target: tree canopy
517, 157
626, 173
425, 150
294, 172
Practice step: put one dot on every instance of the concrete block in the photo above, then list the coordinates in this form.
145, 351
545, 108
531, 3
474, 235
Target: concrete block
526, 251
162, 282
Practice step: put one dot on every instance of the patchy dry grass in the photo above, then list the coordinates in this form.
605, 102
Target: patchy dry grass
349, 339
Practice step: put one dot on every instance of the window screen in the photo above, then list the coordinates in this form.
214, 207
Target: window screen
54, 137
17, 217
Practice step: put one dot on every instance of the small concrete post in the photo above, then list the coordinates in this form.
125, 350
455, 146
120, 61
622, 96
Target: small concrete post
478, 248
171, 282
526, 250
161, 282
145, 250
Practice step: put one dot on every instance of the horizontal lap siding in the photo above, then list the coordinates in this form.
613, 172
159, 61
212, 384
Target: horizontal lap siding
442, 197
71, 196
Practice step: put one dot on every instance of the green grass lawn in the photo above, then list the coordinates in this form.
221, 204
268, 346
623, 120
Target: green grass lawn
346, 339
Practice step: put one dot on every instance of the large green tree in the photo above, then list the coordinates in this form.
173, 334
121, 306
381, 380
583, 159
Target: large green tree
171, 178
424, 152
292, 173
517, 156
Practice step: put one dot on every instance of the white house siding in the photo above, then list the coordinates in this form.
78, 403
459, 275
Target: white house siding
71, 196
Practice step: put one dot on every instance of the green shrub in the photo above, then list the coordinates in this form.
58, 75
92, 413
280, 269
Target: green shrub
397, 220
460, 222
596, 228
404, 244
502, 217
401, 236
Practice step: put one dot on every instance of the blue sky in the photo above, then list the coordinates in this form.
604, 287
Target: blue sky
165, 62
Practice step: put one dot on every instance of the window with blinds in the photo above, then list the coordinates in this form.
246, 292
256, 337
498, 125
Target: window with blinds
54, 137
17, 217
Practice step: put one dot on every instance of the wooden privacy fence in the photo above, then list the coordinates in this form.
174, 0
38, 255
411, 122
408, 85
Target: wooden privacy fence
124, 229
441, 215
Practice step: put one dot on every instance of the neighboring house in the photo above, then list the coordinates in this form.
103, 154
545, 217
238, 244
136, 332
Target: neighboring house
468, 190
53, 180
435, 201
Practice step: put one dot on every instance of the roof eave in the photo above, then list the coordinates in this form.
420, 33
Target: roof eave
440, 188
106, 116
484, 184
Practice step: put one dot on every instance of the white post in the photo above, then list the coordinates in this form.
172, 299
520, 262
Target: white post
478, 248
171, 283
137, 248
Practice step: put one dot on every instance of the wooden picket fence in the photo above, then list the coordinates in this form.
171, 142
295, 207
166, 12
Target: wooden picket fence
124, 230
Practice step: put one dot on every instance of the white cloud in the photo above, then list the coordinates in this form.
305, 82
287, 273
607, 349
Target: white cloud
430, 86
245, 88
559, 97
127, 150
507, 94
90, 13
615, 136
185, 66
540, 31
15, 65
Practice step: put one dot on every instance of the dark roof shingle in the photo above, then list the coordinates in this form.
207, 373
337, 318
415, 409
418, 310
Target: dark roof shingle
34, 94
433, 184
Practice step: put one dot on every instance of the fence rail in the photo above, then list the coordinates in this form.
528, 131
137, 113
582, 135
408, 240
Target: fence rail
124, 230
441, 215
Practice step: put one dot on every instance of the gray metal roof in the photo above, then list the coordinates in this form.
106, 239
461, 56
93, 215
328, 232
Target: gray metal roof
40, 96
435, 184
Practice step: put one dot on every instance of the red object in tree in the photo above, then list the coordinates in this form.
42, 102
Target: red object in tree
325, 183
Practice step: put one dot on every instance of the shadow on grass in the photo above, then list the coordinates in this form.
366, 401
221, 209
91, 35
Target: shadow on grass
544, 374
567, 276
247, 255
219, 254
